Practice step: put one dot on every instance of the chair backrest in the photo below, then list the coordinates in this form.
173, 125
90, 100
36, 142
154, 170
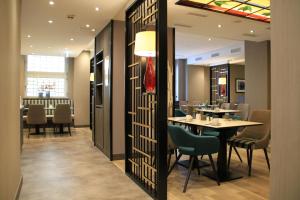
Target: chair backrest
179, 113
36, 114
62, 114
201, 144
244, 111
261, 131
225, 106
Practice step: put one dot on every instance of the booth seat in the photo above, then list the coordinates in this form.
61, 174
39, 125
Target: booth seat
47, 102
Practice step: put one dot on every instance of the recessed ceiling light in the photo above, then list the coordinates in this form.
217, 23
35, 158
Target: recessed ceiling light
219, 26
72, 39
209, 39
50, 21
30, 46
97, 9
251, 31
93, 30
51, 3
28, 36
87, 25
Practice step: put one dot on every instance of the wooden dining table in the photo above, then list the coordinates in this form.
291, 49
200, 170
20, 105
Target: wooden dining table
227, 129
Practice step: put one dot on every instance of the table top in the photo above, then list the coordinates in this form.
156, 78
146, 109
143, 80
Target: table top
217, 111
223, 123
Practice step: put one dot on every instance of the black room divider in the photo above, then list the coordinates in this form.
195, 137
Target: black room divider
146, 96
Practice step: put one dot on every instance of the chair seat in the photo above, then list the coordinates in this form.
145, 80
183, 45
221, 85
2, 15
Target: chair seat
211, 133
187, 150
242, 142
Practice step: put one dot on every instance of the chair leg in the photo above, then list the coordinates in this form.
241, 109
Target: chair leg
249, 155
198, 167
189, 174
177, 159
229, 156
169, 159
267, 157
237, 153
69, 128
214, 168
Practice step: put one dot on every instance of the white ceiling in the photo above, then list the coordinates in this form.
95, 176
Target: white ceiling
194, 27
52, 39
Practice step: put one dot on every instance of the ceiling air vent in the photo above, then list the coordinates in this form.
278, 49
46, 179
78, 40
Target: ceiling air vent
182, 25
198, 59
197, 14
215, 55
70, 17
236, 50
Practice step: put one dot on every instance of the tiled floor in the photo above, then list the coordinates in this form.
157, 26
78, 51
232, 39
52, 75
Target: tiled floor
200, 187
71, 168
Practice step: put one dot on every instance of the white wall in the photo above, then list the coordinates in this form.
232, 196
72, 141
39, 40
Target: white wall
285, 162
257, 74
10, 173
81, 89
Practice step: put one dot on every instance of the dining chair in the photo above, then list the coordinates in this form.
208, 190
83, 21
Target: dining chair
172, 149
62, 116
36, 116
254, 137
179, 113
193, 146
225, 106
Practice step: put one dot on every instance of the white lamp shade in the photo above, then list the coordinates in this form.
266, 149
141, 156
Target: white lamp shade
92, 77
222, 81
145, 43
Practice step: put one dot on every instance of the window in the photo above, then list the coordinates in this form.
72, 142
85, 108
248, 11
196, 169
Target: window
46, 74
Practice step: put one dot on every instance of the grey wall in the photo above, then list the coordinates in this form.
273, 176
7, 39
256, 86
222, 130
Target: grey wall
257, 74
236, 72
198, 83
285, 143
118, 92
81, 89
181, 67
10, 172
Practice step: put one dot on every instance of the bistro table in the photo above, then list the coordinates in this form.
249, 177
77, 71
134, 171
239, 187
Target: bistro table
218, 112
226, 128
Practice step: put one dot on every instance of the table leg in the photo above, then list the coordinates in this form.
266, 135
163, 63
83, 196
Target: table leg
224, 174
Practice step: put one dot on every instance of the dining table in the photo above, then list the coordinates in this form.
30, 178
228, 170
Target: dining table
226, 128
219, 112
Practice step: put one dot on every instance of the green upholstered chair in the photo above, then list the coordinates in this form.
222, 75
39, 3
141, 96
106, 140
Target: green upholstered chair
179, 113
193, 146
254, 137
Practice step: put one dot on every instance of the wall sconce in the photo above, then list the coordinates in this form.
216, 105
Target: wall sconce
145, 46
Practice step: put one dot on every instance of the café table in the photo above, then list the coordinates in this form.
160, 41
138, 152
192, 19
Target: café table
227, 129
218, 112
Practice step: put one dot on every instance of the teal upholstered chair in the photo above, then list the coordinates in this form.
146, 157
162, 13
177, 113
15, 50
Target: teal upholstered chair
193, 146
179, 113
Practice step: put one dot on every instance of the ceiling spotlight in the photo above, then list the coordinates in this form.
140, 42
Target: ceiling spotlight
97, 9
50, 21
29, 36
93, 30
87, 25
30, 46
209, 39
251, 31
51, 3
72, 39
219, 26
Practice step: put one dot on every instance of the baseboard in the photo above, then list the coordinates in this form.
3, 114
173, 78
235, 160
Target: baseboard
118, 157
19, 188
81, 126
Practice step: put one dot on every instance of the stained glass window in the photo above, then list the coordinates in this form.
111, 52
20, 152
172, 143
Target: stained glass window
252, 9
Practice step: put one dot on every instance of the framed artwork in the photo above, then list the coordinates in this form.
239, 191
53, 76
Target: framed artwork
240, 85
